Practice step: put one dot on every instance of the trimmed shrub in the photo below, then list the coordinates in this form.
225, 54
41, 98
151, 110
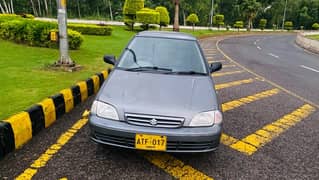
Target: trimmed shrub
164, 16
147, 16
8, 17
220, 20
262, 24
289, 25
193, 19
35, 33
132, 6
129, 11
28, 16
91, 29
239, 24
75, 39
315, 26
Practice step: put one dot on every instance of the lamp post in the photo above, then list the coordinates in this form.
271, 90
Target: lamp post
64, 59
284, 17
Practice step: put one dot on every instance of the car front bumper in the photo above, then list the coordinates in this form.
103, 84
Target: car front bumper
122, 134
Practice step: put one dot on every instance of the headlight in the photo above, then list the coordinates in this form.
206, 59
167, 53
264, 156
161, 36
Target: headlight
104, 110
205, 119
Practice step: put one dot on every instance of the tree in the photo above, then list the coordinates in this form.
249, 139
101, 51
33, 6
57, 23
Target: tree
164, 16
289, 25
129, 11
193, 19
250, 9
220, 20
147, 16
176, 17
315, 26
238, 25
262, 24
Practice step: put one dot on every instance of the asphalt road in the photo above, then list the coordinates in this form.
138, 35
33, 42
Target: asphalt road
271, 129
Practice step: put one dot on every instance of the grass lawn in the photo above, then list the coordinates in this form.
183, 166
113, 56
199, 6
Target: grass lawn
315, 37
25, 80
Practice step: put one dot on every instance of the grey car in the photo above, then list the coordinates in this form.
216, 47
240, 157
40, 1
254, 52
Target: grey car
160, 96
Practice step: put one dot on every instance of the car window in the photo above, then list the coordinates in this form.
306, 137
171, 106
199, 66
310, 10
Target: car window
178, 55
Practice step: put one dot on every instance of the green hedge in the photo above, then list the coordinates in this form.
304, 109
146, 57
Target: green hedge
34, 33
91, 29
148, 16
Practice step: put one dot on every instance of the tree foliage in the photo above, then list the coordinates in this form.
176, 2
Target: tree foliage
289, 25
300, 12
220, 20
315, 26
239, 24
147, 16
164, 15
262, 23
130, 9
193, 19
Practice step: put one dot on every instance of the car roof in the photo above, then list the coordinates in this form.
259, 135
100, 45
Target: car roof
166, 34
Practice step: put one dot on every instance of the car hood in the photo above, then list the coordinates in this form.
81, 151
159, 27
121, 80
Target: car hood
159, 94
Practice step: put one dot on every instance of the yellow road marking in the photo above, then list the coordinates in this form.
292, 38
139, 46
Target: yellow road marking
228, 66
52, 150
266, 80
234, 83
228, 140
227, 73
174, 167
249, 99
251, 143
169, 164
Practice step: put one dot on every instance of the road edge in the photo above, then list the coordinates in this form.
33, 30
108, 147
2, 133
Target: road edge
18, 129
307, 44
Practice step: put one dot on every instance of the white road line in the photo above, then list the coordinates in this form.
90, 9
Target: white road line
309, 68
273, 55
258, 47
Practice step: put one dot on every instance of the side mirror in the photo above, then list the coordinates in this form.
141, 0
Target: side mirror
214, 67
110, 59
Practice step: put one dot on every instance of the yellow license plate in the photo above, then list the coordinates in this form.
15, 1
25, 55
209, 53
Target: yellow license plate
150, 142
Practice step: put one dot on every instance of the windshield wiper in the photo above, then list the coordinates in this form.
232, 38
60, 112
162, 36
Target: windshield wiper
134, 54
189, 73
148, 68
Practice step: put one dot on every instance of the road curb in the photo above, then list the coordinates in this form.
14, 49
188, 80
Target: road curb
18, 129
306, 43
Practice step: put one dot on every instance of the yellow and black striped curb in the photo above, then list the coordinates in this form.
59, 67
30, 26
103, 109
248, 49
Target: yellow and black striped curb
20, 128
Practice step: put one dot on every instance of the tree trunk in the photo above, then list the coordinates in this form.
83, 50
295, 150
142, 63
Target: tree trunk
184, 18
5, 6
34, 8
249, 23
176, 18
79, 9
110, 7
1, 8
193, 27
46, 7
12, 9
39, 8
9, 8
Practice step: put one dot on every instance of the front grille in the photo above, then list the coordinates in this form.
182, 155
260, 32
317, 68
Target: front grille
172, 146
154, 121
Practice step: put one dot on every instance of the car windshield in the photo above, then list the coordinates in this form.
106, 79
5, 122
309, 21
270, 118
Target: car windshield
163, 54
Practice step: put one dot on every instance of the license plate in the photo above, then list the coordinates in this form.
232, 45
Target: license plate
150, 142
